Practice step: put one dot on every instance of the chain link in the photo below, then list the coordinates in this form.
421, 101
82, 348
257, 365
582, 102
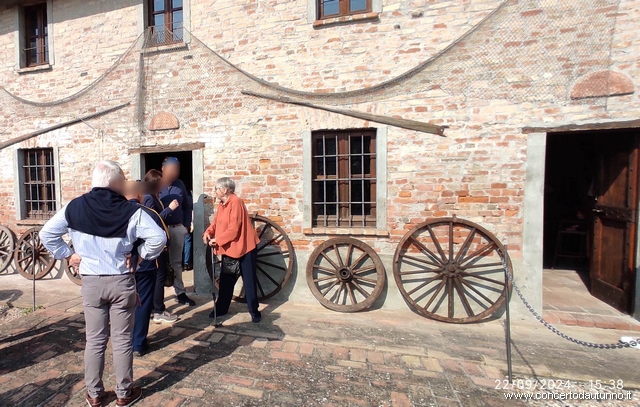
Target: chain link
554, 329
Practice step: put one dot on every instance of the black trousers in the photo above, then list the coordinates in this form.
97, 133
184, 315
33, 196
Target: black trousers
145, 282
161, 276
249, 280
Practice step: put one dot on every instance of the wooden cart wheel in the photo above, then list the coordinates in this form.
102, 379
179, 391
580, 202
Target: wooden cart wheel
345, 274
71, 272
275, 259
451, 270
7, 245
28, 248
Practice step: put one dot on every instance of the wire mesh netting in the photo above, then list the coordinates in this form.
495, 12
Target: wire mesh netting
523, 51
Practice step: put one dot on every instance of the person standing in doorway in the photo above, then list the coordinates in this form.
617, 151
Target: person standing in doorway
104, 227
178, 222
153, 185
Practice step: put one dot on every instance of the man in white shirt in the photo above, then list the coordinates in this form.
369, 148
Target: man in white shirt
103, 226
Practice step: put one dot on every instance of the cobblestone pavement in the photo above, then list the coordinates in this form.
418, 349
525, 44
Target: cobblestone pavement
302, 355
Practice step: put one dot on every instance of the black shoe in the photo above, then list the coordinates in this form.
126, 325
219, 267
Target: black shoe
183, 299
187, 266
256, 319
139, 353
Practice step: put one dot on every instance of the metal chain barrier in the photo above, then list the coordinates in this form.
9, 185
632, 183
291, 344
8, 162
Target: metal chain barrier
551, 327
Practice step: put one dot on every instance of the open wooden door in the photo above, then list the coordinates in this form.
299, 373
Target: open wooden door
614, 216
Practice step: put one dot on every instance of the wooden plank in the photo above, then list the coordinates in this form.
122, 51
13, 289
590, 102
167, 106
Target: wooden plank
392, 121
28, 136
623, 124
167, 149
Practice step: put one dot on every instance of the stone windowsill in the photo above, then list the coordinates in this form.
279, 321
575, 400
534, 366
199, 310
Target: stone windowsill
158, 49
31, 222
345, 19
346, 231
37, 68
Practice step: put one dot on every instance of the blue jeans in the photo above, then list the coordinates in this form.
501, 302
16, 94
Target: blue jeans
145, 284
187, 256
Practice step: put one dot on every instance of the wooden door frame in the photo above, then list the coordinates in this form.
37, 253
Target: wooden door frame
533, 211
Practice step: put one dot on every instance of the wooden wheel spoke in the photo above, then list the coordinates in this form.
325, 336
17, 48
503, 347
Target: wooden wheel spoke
435, 294
317, 280
366, 280
475, 266
419, 260
336, 296
450, 240
480, 252
450, 297
407, 273
360, 289
362, 256
333, 264
324, 270
275, 266
465, 246
437, 243
482, 278
349, 253
463, 298
364, 269
259, 287
337, 251
283, 253
424, 284
475, 290
351, 294
327, 289
264, 229
268, 276
424, 249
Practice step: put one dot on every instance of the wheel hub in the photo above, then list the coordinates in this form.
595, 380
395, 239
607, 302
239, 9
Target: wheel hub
452, 270
345, 274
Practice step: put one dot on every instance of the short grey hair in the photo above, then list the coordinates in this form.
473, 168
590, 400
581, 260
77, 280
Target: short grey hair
226, 182
105, 172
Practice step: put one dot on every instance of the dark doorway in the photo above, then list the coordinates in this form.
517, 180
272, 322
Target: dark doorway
590, 205
154, 161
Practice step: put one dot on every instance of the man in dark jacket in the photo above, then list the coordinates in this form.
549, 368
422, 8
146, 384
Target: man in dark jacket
178, 222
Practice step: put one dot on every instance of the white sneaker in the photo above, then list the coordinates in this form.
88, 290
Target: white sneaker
628, 339
165, 317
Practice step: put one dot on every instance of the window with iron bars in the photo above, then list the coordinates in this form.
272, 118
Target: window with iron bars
166, 18
39, 183
344, 178
36, 35
338, 8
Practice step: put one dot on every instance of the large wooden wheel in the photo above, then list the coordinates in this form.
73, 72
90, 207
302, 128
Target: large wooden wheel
275, 259
7, 245
72, 272
451, 270
345, 274
31, 256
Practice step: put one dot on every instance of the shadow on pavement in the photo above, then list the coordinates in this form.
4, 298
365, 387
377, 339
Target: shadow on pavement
10, 296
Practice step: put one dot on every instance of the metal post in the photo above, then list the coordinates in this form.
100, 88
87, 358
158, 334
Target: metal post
33, 283
508, 321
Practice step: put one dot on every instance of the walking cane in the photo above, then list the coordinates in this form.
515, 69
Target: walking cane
216, 290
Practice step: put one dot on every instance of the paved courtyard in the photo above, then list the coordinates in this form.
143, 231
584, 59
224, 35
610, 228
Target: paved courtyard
303, 355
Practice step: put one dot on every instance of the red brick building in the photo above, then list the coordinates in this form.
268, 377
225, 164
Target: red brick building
512, 81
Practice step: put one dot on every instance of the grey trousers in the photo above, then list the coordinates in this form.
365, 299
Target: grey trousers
109, 301
177, 234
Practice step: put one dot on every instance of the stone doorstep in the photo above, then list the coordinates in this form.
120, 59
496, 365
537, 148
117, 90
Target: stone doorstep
592, 321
